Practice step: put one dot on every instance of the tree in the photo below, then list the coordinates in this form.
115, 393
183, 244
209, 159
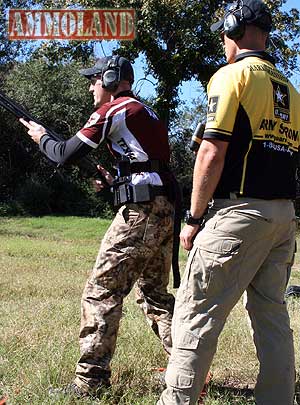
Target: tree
182, 158
175, 37
10, 50
58, 96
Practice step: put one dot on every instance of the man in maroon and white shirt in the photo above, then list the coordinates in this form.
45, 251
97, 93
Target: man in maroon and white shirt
137, 248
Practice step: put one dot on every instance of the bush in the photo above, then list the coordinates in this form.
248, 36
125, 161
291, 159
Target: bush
58, 195
75, 196
34, 197
10, 209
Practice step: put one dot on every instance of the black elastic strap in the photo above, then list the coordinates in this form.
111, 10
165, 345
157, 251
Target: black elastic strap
157, 190
125, 168
176, 232
148, 166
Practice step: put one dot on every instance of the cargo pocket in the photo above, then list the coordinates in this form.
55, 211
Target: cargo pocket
219, 243
186, 339
184, 293
130, 216
214, 267
179, 378
131, 231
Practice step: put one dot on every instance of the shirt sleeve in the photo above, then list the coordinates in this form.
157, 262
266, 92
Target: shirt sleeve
63, 152
223, 104
96, 129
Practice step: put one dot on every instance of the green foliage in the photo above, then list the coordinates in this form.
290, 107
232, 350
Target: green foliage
11, 208
182, 158
54, 93
58, 96
8, 50
175, 37
58, 195
34, 196
287, 27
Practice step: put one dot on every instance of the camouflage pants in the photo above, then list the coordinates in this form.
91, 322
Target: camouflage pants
136, 248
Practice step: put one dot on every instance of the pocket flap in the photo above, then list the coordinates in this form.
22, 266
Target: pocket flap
217, 242
185, 339
179, 377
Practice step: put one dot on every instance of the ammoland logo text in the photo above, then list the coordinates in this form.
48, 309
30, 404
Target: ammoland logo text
68, 24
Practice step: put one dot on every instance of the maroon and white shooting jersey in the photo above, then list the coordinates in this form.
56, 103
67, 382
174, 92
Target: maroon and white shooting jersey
131, 129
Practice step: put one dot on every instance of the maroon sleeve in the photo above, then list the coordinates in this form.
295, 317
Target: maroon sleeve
96, 128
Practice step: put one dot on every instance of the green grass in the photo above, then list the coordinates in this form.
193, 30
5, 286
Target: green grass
44, 263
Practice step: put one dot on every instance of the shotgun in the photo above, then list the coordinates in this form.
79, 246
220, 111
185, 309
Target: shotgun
87, 164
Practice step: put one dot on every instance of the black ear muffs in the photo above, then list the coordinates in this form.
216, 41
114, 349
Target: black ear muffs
234, 23
111, 76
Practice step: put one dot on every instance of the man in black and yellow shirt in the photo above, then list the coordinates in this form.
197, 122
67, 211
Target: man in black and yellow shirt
246, 163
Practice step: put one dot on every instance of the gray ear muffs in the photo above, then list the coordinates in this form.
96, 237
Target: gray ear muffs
234, 25
111, 76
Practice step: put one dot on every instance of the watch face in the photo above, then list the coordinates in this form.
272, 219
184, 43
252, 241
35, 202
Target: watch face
187, 216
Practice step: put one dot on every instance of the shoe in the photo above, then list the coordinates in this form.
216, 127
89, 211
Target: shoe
70, 389
293, 291
74, 390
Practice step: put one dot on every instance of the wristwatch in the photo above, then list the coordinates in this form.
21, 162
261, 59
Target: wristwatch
190, 220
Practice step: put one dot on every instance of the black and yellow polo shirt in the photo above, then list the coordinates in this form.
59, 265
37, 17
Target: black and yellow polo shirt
255, 108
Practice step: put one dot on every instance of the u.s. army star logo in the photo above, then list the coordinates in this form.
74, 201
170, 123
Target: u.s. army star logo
281, 99
212, 107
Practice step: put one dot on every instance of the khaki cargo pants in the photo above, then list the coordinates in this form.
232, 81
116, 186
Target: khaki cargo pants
137, 248
247, 244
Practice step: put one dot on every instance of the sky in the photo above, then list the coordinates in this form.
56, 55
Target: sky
189, 91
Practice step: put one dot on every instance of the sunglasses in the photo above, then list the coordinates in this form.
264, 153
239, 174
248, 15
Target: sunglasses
94, 79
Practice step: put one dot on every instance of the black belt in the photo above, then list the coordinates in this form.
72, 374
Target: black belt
230, 196
235, 196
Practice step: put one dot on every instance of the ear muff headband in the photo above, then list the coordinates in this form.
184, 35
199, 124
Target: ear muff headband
234, 24
111, 77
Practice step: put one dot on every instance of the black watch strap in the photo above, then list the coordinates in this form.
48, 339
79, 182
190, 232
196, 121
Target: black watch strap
190, 220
